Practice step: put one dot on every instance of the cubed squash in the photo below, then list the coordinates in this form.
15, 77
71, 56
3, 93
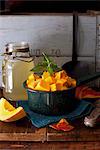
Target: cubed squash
50, 80
57, 75
45, 74
53, 87
59, 86
33, 77
42, 86
63, 74
60, 75
62, 81
30, 85
73, 82
64, 88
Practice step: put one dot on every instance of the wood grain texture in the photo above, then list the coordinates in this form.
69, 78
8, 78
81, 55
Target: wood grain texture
21, 130
86, 36
24, 136
45, 33
50, 145
98, 17
98, 44
80, 133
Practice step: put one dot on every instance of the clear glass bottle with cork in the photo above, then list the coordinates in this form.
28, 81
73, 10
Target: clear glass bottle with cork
16, 67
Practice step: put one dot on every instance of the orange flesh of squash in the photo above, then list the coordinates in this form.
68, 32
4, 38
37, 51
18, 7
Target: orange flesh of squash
46, 82
8, 113
42, 86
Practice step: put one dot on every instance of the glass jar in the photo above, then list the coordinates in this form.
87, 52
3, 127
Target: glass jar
16, 67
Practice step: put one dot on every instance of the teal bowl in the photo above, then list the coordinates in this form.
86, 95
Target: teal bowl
51, 103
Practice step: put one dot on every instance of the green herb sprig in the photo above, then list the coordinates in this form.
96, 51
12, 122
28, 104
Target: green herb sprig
46, 65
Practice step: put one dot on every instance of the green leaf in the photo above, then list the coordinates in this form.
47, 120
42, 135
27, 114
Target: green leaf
46, 65
39, 68
46, 58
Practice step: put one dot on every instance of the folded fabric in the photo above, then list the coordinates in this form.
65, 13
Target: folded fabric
39, 120
84, 92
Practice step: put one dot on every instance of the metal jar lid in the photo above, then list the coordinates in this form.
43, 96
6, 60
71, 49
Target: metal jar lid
17, 47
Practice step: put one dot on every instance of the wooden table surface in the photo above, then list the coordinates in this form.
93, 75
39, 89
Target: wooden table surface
23, 135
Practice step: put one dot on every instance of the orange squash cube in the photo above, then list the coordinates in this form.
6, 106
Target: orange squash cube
33, 77
45, 75
50, 80
60, 75
42, 86
64, 88
62, 81
73, 82
31, 84
59, 86
53, 87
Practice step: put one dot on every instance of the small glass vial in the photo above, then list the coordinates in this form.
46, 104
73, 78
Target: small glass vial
16, 67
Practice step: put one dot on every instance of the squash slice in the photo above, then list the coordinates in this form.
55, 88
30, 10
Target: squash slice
8, 113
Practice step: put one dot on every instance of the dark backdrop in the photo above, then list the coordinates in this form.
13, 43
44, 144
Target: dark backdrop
49, 6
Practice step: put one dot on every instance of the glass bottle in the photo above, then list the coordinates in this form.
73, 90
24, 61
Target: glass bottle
16, 67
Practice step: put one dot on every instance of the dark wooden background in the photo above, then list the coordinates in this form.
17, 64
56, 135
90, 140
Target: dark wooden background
12, 6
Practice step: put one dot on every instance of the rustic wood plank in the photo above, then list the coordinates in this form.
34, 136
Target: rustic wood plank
23, 135
44, 33
80, 133
98, 44
21, 130
50, 145
86, 36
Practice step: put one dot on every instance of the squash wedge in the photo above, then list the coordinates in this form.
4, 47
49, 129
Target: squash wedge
8, 113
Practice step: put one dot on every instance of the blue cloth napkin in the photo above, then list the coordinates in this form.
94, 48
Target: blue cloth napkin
39, 120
